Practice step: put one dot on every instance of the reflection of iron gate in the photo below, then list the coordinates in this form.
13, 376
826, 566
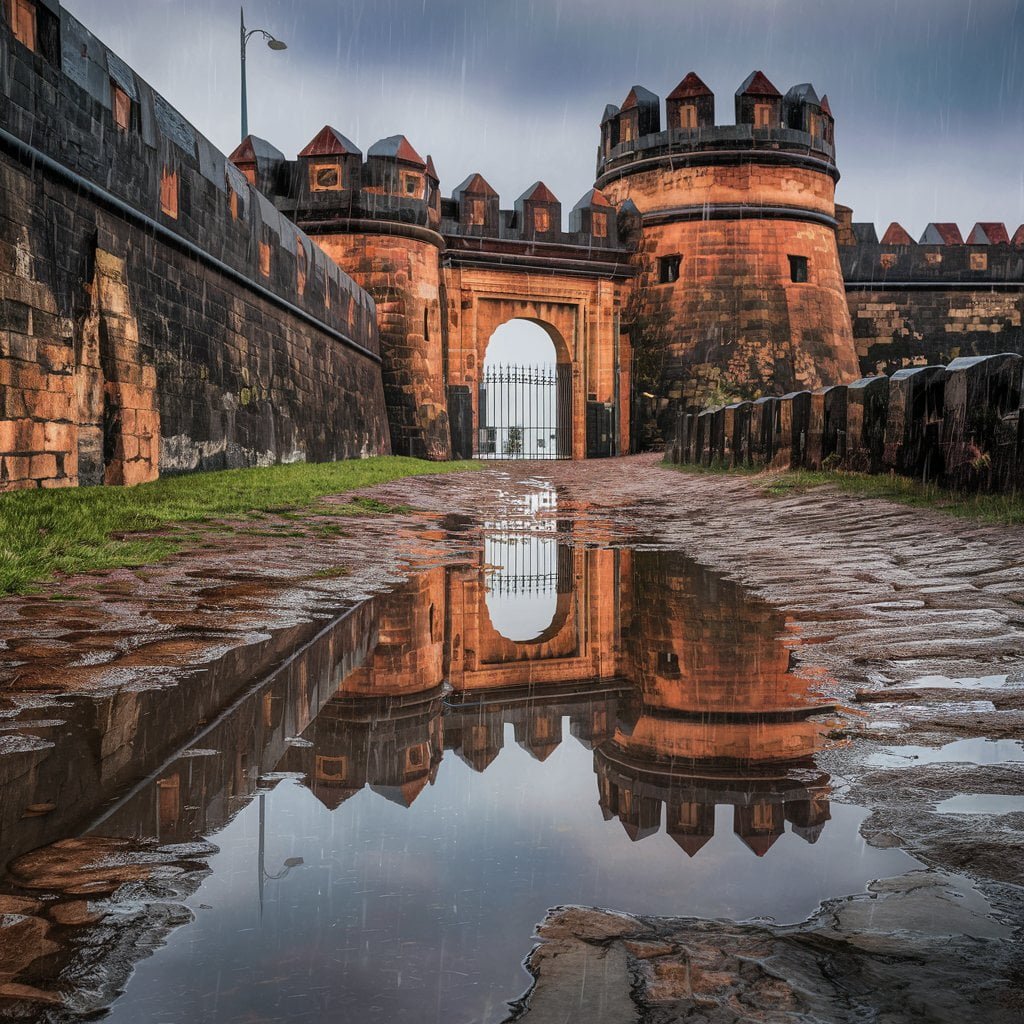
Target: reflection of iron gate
525, 412
528, 563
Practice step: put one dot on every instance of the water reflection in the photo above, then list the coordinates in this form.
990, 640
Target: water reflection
421, 805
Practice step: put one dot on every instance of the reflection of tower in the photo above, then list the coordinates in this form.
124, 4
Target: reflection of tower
475, 728
721, 718
391, 744
410, 652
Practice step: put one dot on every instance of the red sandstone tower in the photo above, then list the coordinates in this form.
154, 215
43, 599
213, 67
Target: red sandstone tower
739, 291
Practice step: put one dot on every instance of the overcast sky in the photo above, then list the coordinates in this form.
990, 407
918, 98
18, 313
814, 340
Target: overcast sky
928, 94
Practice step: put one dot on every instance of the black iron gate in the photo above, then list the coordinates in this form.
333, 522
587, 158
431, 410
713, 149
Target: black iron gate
525, 412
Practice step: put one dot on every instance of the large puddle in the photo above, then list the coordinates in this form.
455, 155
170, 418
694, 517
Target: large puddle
396, 807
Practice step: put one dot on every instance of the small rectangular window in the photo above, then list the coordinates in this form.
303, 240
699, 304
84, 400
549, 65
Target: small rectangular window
234, 203
668, 663
979, 261
412, 185
331, 769
122, 107
541, 219
599, 225
688, 116
887, 260
265, 259
249, 170
626, 130
300, 266
798, 269
416, 757
762, 115
325, 177
169, 193
668, 269
476, 212
22, 16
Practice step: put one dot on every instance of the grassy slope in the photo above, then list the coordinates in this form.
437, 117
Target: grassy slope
1004, 509
44, 533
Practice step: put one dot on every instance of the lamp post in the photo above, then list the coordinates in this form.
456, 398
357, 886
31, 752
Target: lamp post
264, 874
244, 37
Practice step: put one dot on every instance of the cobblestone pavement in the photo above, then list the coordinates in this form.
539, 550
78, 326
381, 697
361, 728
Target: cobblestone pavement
912, 620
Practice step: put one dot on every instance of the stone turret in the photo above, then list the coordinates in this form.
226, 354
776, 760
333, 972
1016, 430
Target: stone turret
740, 291
691, 104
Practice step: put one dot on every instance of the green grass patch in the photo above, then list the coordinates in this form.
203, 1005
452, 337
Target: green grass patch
48, 533
1001, 509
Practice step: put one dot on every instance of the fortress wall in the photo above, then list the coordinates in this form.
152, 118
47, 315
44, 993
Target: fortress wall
961, 424
157, 314
912, 305
896, 328
404, 277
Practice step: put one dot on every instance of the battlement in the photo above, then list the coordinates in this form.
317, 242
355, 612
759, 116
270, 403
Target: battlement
331, 186
799, 124
942, 257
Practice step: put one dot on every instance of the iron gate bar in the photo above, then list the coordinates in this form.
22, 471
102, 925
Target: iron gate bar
524, 412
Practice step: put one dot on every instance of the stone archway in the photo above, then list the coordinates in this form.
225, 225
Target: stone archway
579, 315
524, 393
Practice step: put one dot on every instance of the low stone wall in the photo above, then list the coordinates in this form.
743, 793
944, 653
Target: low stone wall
960, 424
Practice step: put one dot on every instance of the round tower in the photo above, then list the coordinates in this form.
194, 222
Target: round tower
739, 290
380, 218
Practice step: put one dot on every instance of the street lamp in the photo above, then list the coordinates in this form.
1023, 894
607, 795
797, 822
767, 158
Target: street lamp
264, 874
272, 42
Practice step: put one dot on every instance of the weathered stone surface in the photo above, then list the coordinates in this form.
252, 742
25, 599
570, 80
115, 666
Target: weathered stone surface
913, 422
981, 409
122, 351
920, 946
867, 404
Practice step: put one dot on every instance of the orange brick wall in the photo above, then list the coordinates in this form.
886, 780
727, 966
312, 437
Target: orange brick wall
403, 276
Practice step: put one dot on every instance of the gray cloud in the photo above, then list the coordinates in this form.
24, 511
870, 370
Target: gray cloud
928, 94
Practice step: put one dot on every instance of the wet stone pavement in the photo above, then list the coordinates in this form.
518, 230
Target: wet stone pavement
595, 742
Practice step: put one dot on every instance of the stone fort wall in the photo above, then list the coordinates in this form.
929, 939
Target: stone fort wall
166, 309
159, 315
932, 301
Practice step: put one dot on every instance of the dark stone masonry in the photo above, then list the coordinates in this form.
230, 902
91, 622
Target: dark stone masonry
959, 424
158, 314
164, 308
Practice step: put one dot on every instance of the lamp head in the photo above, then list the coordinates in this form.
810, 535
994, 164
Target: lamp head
276, 44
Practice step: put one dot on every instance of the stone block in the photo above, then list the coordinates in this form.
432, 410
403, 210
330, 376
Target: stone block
763, 412
867, 402
981, 404
914, 422
826, 431
737, 433
702, 439
718, 435
794, 412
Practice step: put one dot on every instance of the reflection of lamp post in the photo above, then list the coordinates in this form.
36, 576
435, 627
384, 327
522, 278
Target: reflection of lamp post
274, 44
290, 862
